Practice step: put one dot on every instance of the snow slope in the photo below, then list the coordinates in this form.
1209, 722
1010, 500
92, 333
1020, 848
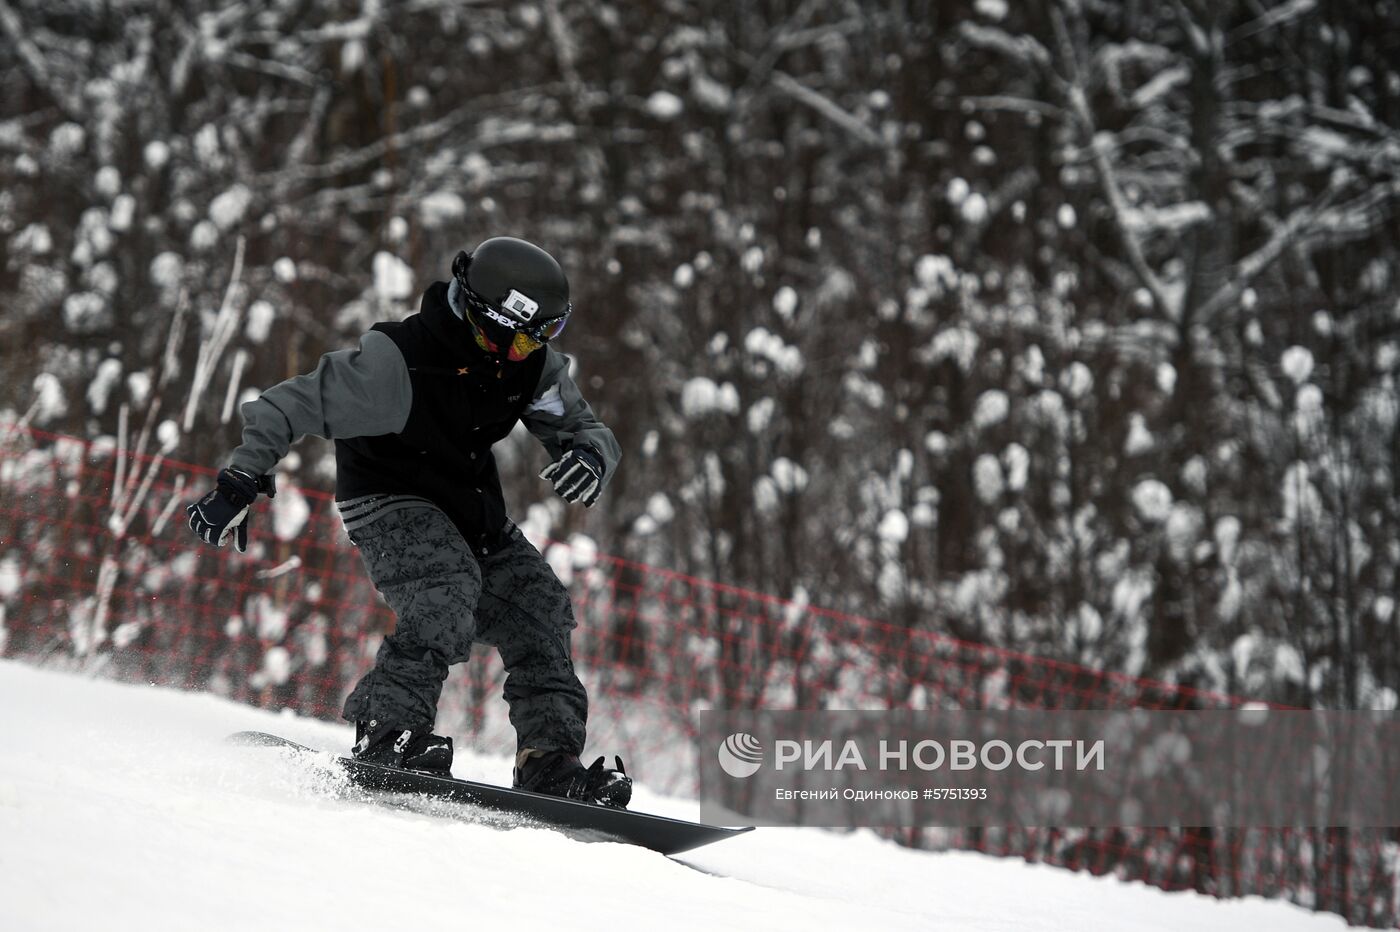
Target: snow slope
121, 809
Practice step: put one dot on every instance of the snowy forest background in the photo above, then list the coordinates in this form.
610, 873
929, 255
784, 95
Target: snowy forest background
1069, 327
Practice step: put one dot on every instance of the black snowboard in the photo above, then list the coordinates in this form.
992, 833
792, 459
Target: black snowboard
597, 823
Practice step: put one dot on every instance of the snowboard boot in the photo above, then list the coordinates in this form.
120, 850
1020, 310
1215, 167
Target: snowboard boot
404, 748
556, 773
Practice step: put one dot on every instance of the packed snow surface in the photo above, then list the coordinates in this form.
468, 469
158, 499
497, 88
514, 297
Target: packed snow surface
121, 808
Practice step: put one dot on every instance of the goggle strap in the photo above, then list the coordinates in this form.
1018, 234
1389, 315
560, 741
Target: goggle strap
543, 332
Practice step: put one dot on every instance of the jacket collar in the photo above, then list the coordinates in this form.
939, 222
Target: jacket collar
453, 333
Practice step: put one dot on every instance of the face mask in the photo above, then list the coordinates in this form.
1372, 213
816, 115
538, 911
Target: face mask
491, 337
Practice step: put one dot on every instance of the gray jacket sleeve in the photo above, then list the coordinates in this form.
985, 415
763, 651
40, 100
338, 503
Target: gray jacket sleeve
560, 418
362, 392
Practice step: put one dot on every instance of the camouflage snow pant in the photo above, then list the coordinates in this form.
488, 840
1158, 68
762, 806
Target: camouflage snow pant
445, 598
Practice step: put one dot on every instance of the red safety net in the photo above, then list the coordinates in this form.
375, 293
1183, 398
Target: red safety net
98, 573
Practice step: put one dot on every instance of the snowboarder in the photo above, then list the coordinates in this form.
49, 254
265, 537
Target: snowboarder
414, 412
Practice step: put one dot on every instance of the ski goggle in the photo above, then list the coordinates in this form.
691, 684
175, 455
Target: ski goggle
494, 338
541, 332
548, 330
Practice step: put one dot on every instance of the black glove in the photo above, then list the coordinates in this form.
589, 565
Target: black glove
224, 511
577, 475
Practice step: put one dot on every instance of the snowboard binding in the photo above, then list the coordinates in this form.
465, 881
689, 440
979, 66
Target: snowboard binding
557, 773
403, 748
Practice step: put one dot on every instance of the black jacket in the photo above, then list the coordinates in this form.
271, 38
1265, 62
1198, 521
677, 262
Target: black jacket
415, 410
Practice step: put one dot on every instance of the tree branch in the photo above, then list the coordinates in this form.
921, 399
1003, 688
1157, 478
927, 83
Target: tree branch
266, 66
1024, 49
1278, 16
827, 108
1243, 273
1100, 145
427, 133
37, 67
211, 352
1014, 104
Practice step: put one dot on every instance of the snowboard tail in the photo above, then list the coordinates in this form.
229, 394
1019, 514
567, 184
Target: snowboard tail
601, 823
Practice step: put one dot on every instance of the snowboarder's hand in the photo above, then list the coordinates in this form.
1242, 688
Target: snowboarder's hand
577, 476
224, 511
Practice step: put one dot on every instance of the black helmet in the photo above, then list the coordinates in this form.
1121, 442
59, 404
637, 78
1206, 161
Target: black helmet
516, 286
